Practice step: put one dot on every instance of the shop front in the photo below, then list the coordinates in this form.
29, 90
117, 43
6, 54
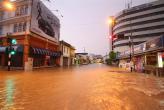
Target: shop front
139, 63
139, 59
44, 57
124, 62
154, 56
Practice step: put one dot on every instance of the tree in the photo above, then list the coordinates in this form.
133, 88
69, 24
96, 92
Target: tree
112, 55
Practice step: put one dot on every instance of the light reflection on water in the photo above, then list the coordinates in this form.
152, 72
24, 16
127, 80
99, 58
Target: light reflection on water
7, 95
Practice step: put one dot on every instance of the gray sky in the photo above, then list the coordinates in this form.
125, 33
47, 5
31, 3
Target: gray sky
84, 24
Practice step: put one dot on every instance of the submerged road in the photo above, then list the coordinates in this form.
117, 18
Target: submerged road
88, 87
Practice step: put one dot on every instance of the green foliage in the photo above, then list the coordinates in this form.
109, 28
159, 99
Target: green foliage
112, 55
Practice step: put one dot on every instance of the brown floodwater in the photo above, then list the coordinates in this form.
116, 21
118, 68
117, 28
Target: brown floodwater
87, 87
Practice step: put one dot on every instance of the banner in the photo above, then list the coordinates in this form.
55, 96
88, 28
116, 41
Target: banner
44, 22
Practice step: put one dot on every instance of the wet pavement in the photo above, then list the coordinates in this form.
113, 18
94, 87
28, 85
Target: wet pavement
88, 87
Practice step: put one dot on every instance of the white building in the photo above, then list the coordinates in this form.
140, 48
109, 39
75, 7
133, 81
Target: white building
140, 23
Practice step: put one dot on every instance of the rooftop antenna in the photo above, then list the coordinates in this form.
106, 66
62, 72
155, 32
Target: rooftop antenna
129, 4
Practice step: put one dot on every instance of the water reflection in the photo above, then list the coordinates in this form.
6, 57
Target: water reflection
9, 94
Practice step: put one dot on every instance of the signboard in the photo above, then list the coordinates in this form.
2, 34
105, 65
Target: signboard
44, 22
140, 48
154, 44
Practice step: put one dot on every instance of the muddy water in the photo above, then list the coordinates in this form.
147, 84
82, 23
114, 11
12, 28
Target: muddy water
89, 87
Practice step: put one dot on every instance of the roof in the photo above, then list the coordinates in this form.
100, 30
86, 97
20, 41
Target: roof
67, 44
81, 53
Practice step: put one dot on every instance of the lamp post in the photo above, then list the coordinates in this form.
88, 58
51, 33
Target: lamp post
111, 22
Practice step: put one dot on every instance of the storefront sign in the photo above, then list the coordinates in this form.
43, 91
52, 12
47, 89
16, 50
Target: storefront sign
44, 22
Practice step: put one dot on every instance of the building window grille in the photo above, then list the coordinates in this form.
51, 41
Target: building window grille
17, 11
20, 27
21, 10
15, 27
26, 9
24, 26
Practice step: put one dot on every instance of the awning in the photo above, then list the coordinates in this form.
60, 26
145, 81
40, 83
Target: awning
2, 49
17, 48
41, 51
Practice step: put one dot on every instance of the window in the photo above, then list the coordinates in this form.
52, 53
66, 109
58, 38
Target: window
22, 10
15, 28
26, 9
64, 49
20, 27
1, 30
17, 11
24, 26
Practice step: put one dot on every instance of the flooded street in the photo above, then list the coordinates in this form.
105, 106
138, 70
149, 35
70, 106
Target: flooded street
88, 87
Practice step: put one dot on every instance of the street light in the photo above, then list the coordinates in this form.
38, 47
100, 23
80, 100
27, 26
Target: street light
8, 6
111, 22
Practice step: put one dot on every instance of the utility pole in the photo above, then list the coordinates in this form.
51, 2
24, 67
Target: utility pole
131, 45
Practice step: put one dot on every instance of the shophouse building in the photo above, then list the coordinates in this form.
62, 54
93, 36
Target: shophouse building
37, 31
148, 57
68, 54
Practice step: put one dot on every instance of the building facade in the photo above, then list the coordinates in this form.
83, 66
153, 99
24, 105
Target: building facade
138, 24
148, 57
37, 31
68, 54
82, 58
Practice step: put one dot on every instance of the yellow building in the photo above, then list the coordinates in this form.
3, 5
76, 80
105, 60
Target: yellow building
68, 54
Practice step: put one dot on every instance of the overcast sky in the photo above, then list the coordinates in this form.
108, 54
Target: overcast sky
84, 24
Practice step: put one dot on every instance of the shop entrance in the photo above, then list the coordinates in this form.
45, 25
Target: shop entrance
65, 61
151, 59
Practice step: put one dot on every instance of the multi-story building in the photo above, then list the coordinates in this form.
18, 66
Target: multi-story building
68, 54
138, 24
37, 31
